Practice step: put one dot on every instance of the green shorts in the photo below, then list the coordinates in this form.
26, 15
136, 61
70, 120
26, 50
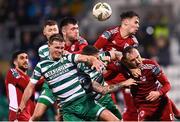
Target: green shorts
108, 103
82, 109
46, 96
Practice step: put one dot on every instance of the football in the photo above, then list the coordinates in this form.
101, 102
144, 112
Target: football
102, 11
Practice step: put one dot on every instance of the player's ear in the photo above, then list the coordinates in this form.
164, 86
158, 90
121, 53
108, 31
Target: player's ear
44, 32
15, 62
49, 44
63, 30
126, 21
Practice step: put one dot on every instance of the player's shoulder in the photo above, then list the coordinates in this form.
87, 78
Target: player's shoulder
153, 66
12, 72
113, 29
149, 64
149, 61
108, 33
43, 51
43, 47
43, 62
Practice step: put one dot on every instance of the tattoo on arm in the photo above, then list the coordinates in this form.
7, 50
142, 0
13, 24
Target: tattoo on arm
113, 88
105, 89
97, 87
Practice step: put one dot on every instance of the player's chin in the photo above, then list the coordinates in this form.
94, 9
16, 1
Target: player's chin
25, 66
75, 37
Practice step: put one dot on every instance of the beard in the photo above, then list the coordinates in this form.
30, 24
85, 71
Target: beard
72, 40
24, 69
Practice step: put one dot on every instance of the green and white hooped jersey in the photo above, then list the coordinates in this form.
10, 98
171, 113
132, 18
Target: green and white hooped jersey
61, 77
93, 74
43, 51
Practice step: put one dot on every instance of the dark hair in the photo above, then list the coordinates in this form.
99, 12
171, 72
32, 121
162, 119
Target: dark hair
90, 50
57, 37
68, 20
15, 55
50, 23
128, 14
128, 49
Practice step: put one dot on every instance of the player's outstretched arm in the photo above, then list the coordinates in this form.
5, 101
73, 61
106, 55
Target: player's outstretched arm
112, 88
93, 61
115, 55
26, 95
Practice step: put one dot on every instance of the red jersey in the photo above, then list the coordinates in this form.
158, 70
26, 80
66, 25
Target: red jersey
111, 38
16, 82
77, 46
151, 76
147, 82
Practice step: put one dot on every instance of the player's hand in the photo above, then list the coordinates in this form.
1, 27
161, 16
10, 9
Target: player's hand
98, 65
118, 55
21, 108
18, 113
129, 82
153, 95
58, 118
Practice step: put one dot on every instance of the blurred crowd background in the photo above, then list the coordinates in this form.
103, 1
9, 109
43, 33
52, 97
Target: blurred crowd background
159, 35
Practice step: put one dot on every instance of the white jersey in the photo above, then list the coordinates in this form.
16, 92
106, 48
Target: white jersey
61, 77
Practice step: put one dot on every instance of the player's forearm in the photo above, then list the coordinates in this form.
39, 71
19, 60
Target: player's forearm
26, 95
113, 88
97, 87
115, 55
85, 58
105, 89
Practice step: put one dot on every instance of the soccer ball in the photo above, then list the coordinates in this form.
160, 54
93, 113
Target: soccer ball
102, 11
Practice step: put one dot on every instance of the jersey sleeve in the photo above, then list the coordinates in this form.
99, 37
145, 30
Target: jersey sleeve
11, 81
43, 51
10, 78
103, 39
92, 73
36, 74
160, 76
81, 67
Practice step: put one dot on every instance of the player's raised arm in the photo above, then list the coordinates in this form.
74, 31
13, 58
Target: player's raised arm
115, 55
112, 88
92, 60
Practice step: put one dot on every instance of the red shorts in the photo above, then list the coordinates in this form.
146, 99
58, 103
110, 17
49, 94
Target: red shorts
163, 112
130, 116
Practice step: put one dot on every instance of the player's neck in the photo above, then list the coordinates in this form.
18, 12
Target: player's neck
21, 70
67, 41
53, 58
123, 32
